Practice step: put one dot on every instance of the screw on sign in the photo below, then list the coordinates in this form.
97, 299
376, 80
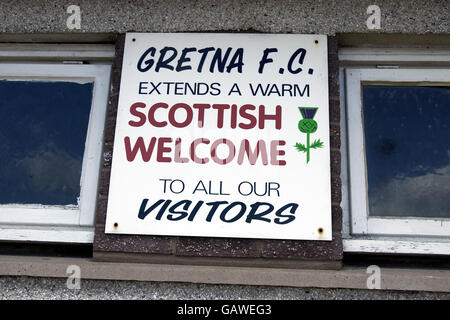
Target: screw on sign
308, 125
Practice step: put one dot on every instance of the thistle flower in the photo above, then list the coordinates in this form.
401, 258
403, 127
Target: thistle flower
308, 125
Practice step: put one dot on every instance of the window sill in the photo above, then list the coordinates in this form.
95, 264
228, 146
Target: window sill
396, 246
431, 280
47, 234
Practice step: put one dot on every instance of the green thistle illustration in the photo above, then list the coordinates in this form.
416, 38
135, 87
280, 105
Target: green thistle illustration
308, 125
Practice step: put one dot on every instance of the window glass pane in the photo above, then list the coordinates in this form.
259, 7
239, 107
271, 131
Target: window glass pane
43, 127
407, 137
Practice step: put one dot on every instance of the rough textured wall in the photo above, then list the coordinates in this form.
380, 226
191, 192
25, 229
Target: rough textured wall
277, 16
49, 288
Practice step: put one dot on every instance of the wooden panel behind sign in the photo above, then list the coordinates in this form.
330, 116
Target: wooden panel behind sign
222, 135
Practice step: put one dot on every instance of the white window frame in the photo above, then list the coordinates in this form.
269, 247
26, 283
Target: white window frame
75, 223
364, 233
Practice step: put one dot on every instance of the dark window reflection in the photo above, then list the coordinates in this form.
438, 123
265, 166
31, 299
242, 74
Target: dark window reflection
43, 127
407, 136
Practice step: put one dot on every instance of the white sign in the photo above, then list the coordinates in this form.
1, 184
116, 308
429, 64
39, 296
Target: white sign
222, 135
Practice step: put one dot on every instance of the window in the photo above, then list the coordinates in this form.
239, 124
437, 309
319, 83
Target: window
52, 117
396, 177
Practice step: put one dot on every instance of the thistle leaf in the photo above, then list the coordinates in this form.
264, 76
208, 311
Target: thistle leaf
317, 144
300, 147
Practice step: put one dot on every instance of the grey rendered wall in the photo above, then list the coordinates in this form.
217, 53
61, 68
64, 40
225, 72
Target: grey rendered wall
274, 16
50, 288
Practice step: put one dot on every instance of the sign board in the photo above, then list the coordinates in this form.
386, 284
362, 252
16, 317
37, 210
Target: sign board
222, 135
